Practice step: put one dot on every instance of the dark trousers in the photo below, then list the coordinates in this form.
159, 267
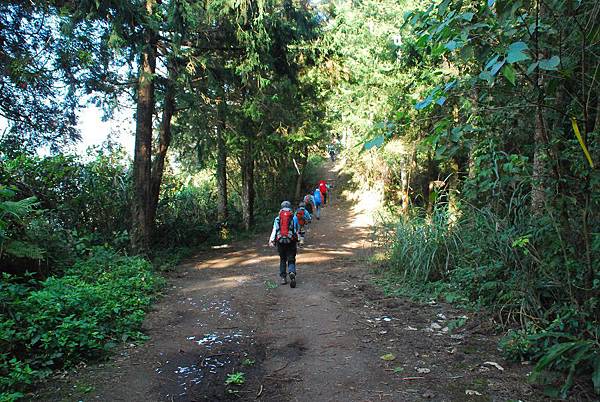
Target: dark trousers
287, 258
324, 198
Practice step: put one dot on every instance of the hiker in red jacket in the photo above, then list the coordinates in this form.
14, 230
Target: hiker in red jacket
323, 189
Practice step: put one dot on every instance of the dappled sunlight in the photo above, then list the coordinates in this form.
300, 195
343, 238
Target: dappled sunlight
221, 246
228, 282
367, 204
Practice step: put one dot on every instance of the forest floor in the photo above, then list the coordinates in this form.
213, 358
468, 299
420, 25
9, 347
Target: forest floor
225, 312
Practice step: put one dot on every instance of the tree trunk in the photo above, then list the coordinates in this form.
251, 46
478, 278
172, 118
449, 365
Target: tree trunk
429, 188
407, 186
223, 213
471, 159
158, 165
597, 121
538, 187
404, 178
248, 178
140, 225
453, 193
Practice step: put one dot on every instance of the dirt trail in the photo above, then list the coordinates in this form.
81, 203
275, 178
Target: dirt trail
319, 342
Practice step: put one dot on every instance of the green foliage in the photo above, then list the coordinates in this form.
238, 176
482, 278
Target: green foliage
15, 217
248, 362
421, 248
58, 322
463, 113
567, 343
312, 171
477, 258
81, 203
516, 345
186, 213
237, 378
455, 324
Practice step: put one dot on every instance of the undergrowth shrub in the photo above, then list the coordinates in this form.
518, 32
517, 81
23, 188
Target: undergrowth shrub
518, 268
187, 216
312, 171
58, 322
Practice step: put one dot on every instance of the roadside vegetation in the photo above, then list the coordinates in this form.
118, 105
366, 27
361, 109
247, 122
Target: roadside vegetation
480, 123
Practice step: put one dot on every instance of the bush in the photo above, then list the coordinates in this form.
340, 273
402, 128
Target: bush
516, 268
313, 171
187, 215
58, 322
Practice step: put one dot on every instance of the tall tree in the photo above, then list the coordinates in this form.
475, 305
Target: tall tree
221, 126
142, 159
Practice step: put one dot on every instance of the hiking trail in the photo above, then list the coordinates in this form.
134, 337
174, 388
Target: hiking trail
225, 312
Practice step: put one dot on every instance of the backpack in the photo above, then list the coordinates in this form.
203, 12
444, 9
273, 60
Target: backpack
300, 216
286, 233
317, 197
323, 186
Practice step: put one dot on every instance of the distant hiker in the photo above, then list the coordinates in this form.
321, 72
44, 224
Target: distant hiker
317, 196
304, 218
331, 152
309, 203
323, 189
285, 236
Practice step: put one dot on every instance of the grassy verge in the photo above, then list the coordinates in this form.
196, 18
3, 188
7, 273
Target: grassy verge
532, 283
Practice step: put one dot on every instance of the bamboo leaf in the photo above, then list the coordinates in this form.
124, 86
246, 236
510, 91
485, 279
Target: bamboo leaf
375, 142
532, 67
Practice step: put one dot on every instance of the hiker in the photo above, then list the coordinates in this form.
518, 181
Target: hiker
323, 189
318, 199
304, 218
285, 235
331, 152
309, 203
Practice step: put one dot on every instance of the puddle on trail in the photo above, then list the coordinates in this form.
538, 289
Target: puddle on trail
211, 340
216, 351
208, 353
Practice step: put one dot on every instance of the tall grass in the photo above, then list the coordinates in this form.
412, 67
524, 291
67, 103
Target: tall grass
521, 270
422, 248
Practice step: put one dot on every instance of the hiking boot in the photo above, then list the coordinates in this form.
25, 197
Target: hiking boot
284, 280
292, 280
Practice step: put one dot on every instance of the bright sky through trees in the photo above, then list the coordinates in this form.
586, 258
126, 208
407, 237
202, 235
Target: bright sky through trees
94, 131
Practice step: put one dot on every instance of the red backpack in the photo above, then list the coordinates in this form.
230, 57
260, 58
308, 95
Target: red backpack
300, 216
286, 221
323, 186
